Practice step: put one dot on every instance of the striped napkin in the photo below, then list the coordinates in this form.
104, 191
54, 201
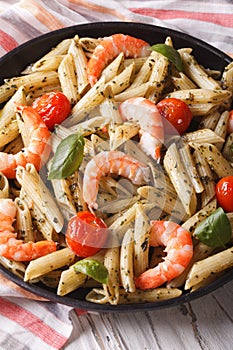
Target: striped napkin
27, 321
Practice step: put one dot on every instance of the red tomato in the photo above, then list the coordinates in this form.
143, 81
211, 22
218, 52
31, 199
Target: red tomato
86, 234
176, 112
224, 193
53, 107
230, 122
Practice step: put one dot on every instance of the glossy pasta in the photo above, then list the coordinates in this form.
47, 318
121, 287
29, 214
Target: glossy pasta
181, 186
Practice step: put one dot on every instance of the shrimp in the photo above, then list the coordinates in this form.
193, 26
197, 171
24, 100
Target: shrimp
13, 248
109, 48
36, 151
179, 249
111, 162
147, 115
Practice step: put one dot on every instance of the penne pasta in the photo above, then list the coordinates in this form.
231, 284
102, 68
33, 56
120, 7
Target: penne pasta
47, 263
68, 79
126, 262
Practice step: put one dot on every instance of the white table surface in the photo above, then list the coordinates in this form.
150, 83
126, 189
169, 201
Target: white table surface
205, 323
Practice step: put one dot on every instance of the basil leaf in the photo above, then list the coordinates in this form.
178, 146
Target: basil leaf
93, 269
169, 52
68, 157
215, 230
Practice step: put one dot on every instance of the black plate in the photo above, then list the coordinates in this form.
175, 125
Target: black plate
16, 60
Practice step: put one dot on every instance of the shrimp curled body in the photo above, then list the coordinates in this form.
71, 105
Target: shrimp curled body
109, 48
147, 115
36, 152
107, 162
13, 248
179, 249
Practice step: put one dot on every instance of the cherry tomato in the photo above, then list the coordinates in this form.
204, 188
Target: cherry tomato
53, 107
230, 123
176, 112
224, 193
86, 234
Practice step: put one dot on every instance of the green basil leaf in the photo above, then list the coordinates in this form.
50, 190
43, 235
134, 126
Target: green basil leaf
68, 157
93, 269
215, 230
169, 52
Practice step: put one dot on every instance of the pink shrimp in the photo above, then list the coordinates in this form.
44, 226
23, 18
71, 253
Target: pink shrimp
36, 152
13, 248
111, 162
179, 249
109, 48
147, 115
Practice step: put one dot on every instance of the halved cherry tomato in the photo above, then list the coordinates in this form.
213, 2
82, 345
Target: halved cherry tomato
224, 193
176, 112
53, 107
86, 234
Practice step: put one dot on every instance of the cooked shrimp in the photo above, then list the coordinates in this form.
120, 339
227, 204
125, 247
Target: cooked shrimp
114, 162
147, 115
36, 152
109, 48
13, 248
179, 249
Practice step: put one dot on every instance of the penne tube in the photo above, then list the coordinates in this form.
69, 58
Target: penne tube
44, 227
206, 177
98, 296
34, 80
227, 77
141, 240
37, 191
145, 71
120, 82
196, 73
47, 263
138, 91
190, 167
209, 121
214, 158
112, 264
182, 82
80, 63
89, 44
16, 267
108, 108
39, 91
192, 96
24, 225
119, 134
202, 136
138, 62
126, 262
199, 216
8, 126
87, 103
158, 77
64, 197
202, 109
114, 68
48, 64
180, 179
6, 92
221, 127
227, 151
68, 79
60, 49
4, 186
70, 281
209, 266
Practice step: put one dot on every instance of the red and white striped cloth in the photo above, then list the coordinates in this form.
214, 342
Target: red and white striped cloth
26, 321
